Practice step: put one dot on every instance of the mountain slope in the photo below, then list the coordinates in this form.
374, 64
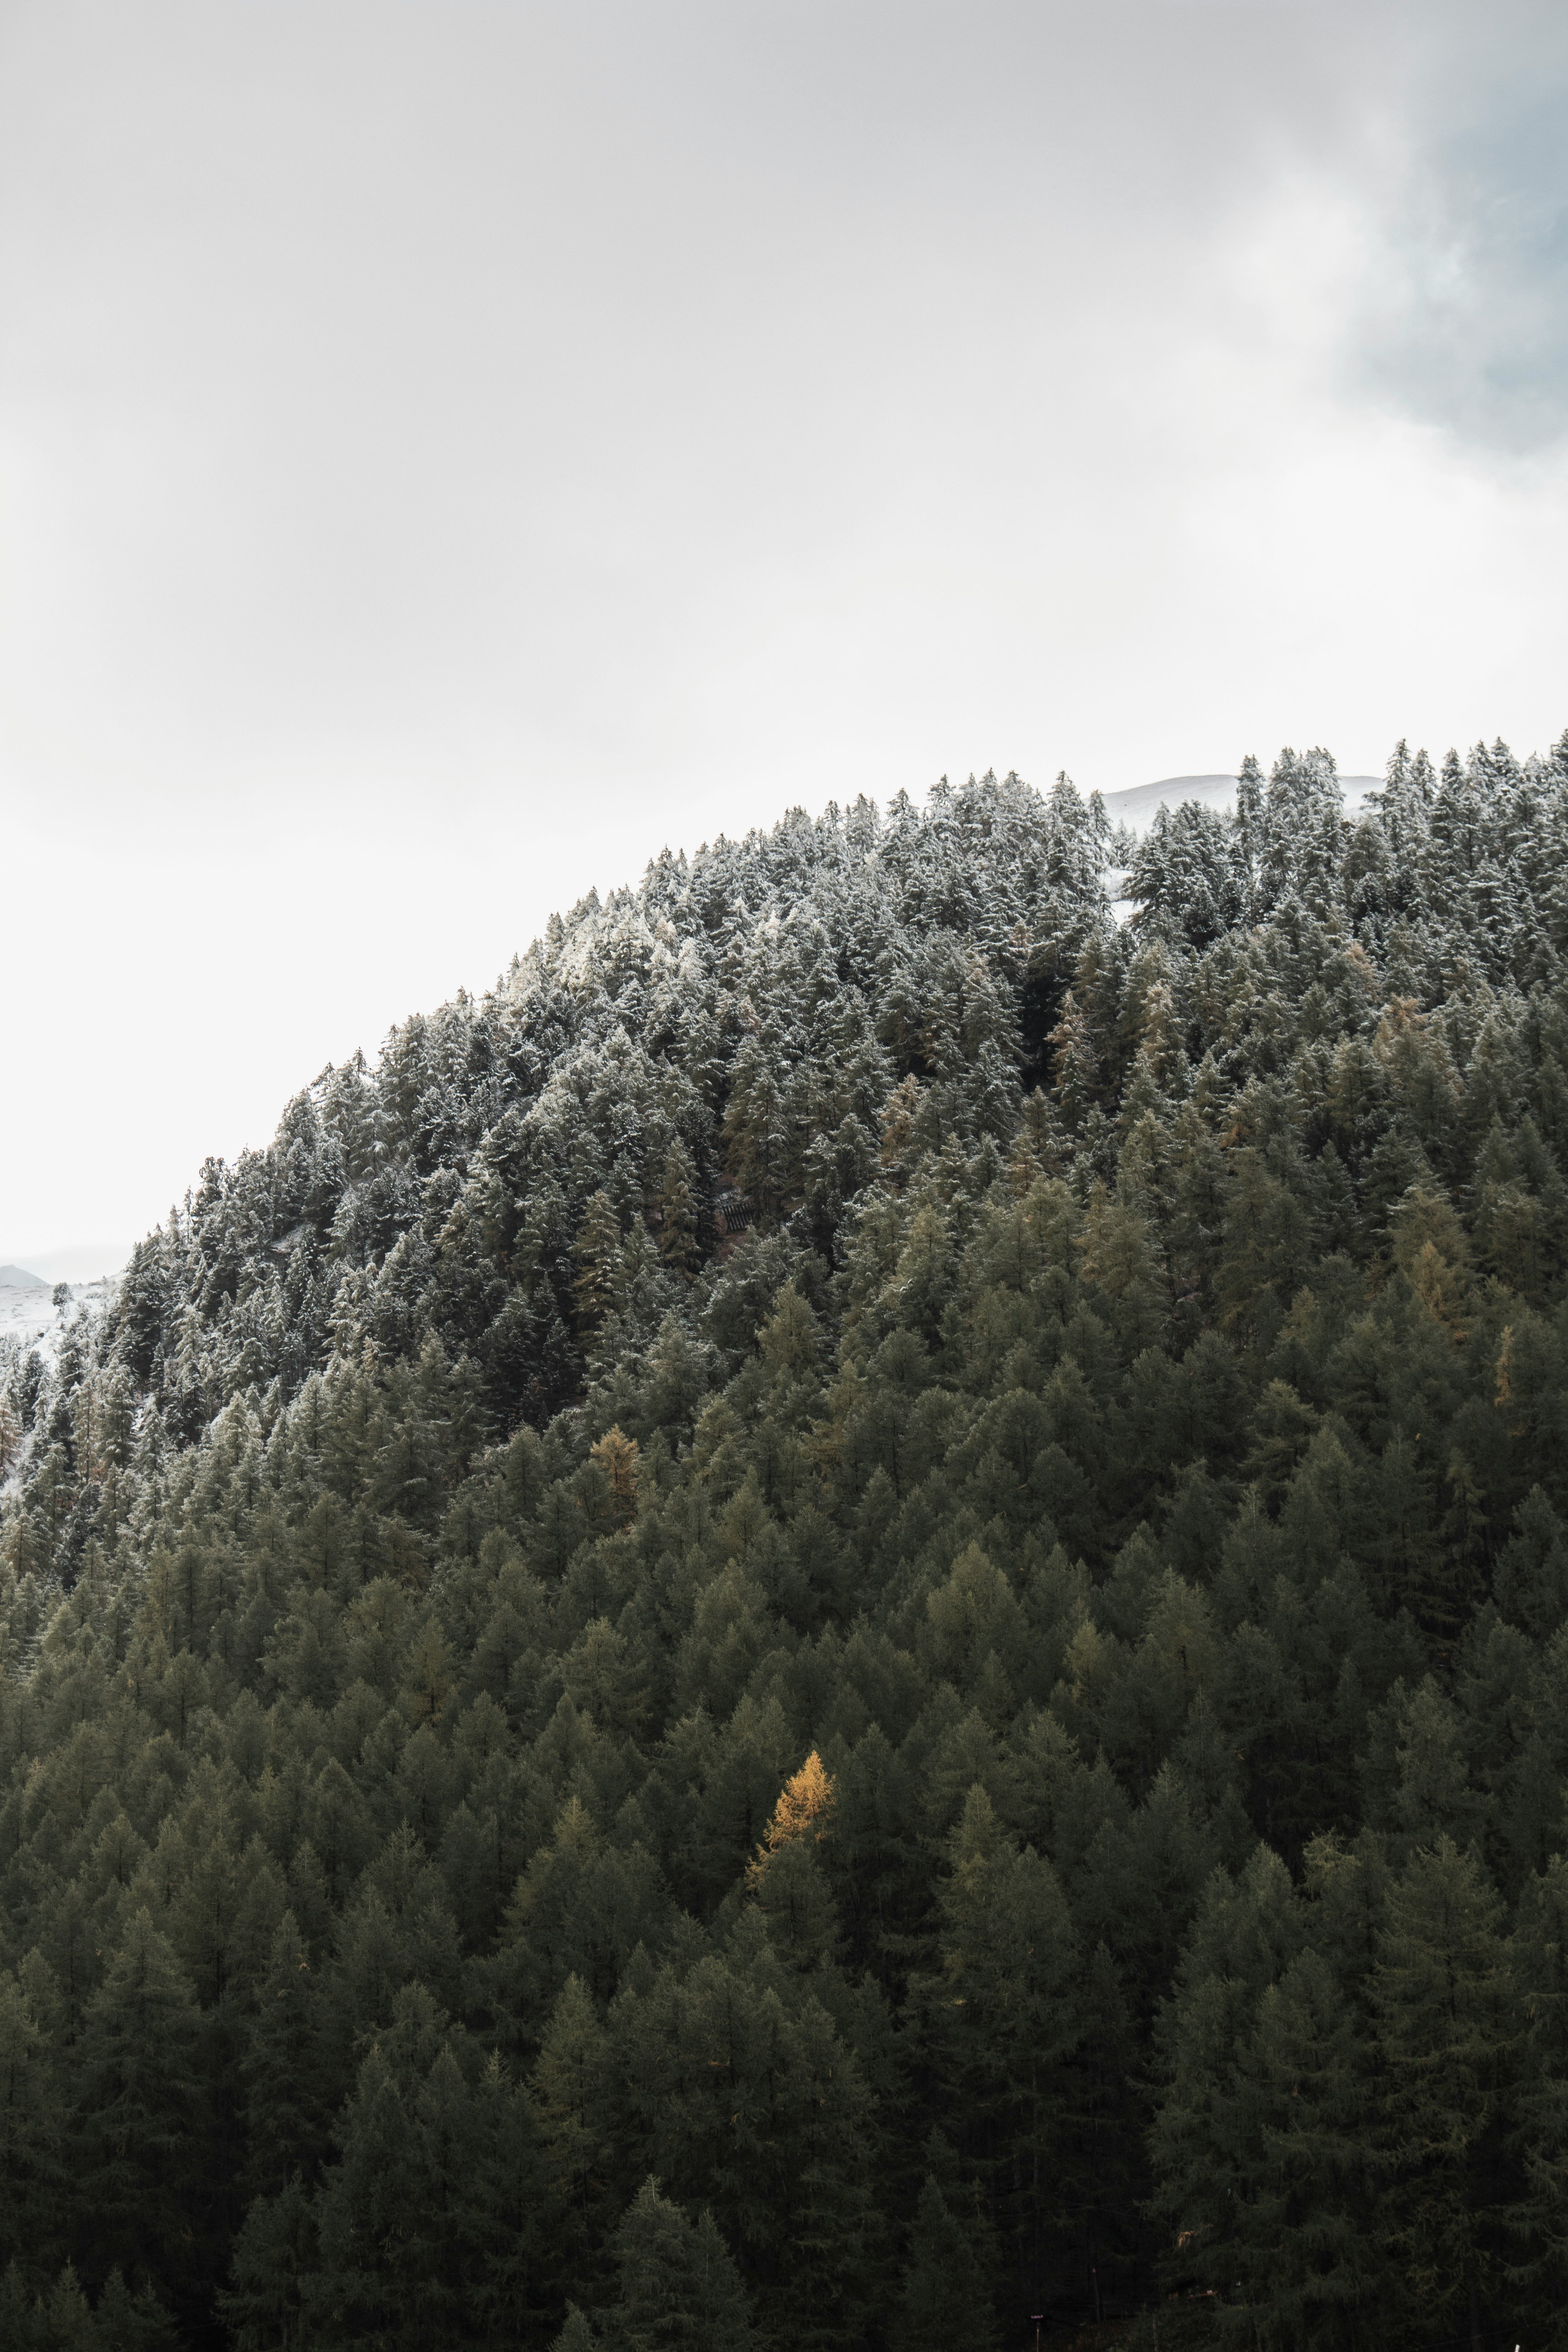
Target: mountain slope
868, 1545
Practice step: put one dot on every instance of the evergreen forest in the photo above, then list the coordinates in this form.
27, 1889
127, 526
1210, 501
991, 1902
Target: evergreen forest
842, 1624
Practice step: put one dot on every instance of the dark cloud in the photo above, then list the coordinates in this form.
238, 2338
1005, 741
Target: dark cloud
1470, 325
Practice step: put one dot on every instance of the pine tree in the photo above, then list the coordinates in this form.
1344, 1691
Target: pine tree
1307, 2261
755, 1127
617, 1456
283, 2066
678, 2287
680, 1237
1004, 2016
1249, 796
274, 2273
568, 2085
1075, 1063
1443, 2003
597, 1251
1540, 2222
577, 2336
946, 2299
30, 2182
139, 2114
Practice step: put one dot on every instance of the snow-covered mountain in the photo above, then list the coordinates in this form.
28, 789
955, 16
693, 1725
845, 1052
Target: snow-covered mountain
1137, 807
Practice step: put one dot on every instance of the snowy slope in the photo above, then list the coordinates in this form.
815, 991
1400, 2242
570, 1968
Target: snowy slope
30, 1317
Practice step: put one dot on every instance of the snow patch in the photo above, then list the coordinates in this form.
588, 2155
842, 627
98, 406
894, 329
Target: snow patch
29, 1318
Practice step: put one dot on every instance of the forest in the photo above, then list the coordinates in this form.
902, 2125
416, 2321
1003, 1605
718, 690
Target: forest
842, 1624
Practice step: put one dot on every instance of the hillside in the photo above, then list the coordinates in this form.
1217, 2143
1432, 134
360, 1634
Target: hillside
869, 1548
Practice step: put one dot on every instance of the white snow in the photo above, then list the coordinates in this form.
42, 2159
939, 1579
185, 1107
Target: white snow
30, 1317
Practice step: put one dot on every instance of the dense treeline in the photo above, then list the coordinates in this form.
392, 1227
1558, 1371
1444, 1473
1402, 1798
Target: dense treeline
847, 1619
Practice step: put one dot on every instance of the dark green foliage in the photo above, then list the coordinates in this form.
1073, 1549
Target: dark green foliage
136, 2162
678, 2287
948, 2277
847, 1619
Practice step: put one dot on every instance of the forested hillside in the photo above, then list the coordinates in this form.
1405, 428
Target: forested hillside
847, 1619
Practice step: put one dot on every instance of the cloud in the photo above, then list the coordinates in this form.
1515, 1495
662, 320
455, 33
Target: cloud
449, 450
1467, 309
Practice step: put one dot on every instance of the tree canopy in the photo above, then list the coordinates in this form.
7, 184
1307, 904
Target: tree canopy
845, 1618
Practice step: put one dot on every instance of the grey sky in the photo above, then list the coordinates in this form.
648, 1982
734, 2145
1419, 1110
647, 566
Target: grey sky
449, 450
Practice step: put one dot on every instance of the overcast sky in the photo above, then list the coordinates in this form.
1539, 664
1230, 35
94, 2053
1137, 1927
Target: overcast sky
449, 450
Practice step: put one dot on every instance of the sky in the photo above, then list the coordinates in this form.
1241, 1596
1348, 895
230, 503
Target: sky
450, 449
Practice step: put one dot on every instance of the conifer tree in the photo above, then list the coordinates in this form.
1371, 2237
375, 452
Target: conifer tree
30, 2182
946, 2298
596, 1250
274, 2273
1007, 2017
1444, 2039
678, 2287
140, 2118
680, 1237
282, 2068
